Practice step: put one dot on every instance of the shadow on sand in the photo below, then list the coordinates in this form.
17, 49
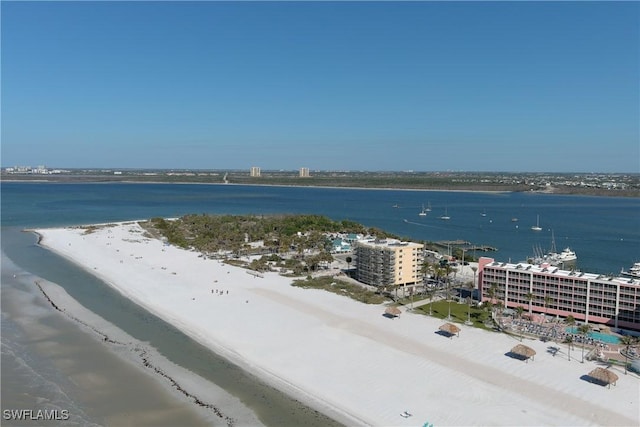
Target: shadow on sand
445, 334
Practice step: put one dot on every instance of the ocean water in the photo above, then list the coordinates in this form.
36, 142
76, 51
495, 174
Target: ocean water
604, 232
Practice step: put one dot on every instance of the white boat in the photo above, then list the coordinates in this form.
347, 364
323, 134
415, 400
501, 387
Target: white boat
423, 212
445, 217
428, 207
484, 213
567, 255
634, 271
565, 258
537, 226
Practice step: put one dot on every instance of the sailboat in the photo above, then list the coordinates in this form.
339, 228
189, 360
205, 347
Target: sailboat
537, 226
428, 207
445, 217
423, 212
484, 213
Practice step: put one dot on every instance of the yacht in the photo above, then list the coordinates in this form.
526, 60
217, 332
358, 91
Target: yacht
567, 255
423, 212
634, 271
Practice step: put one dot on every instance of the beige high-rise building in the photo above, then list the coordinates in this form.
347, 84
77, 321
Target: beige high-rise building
304, 172
389, 262
255, 171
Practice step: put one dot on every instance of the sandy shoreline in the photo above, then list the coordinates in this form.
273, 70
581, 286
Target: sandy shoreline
343, 357
99, 359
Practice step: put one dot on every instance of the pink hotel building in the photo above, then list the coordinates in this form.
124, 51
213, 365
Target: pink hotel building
588, 297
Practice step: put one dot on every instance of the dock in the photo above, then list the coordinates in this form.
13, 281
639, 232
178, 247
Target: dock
466, 246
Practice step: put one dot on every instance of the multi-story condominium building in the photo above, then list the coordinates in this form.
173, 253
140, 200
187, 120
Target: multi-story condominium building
388, 262
592, 298
255, 171
304, 172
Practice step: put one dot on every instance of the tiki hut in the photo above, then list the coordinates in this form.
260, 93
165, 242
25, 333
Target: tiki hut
450, 329
604, 376
392, 311
523, 352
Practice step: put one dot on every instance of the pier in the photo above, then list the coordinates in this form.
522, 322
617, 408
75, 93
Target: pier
466, 246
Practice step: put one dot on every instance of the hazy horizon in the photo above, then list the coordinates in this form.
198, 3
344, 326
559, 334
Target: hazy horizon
523, 87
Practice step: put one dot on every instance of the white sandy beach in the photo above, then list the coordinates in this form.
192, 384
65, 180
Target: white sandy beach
343, 357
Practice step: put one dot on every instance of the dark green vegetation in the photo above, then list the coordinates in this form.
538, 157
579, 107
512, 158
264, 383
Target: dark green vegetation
235, 233
331, 284
291, 244
618, 184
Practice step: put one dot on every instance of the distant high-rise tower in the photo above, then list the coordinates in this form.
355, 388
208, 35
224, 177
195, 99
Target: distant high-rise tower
304, 172
255, 171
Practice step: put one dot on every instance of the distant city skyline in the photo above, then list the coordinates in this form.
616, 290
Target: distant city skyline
396, 86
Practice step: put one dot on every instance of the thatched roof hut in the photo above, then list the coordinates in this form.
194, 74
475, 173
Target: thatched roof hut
523, 351
604, 376
393, 311
450, 329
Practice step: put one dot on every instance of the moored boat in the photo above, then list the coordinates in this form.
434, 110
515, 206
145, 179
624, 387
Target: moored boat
537, 226
567, 255
634, 271
446, 216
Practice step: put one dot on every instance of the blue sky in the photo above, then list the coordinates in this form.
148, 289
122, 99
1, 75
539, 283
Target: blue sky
424, 86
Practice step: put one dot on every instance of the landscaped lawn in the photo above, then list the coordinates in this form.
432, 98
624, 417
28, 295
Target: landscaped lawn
459, 312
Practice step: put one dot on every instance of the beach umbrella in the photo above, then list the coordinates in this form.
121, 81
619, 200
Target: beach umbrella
450, 329
393, 311
523, 351
604, 376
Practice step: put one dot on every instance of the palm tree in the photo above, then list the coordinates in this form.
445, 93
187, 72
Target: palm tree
430, 294
471, 286
449, 297
627, 341
493, 291
569, 340
584, 330
427, 268
529, 298
570, 320
547, 300
519, 310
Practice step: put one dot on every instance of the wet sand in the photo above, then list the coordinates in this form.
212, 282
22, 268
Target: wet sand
51, 362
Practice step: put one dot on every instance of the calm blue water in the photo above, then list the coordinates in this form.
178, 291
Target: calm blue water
604, 232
